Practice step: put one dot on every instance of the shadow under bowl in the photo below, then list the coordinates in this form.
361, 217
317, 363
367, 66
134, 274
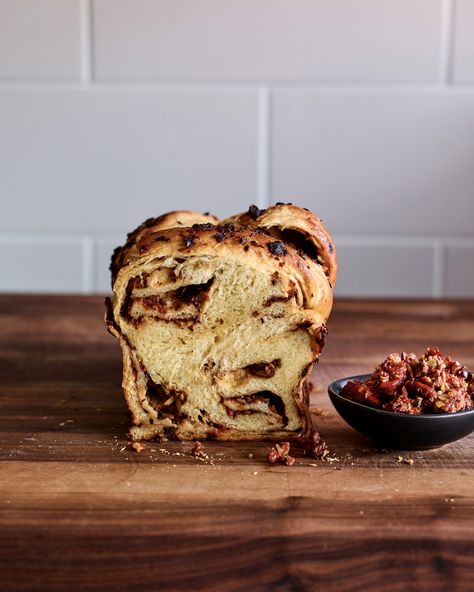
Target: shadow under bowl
400, 430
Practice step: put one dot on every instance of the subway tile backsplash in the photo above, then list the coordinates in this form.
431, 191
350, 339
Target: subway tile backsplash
44, 265
459, 265
463, 41
40, 39
378, 268
349, 40
104, 248
112, 111
103, 161
377, 162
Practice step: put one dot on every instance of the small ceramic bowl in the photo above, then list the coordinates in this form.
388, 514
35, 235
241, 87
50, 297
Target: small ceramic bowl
399, 430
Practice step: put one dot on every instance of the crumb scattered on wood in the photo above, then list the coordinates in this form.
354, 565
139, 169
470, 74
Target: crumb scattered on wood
164, 451
199, 453
319, 411
406, 461
63, 423
198, 449
138, 447
250, 455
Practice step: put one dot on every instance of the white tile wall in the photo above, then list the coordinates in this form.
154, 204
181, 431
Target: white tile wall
463, 58
103, 254
37, 264
459, 264
39, 39
377, 162
377, 267
112, 111
267, 39
106, 160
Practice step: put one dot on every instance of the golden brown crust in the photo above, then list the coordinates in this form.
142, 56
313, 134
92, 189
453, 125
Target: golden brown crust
175, 219
296, 226
230, 241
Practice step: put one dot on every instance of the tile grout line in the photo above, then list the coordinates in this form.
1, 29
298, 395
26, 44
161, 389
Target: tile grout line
86, 34
88, 78
88, 265
438, 269
55, 236
263, 148
446, 44
404, 240
270, 105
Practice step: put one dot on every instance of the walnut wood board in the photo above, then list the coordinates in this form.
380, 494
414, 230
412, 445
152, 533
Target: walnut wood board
81, 510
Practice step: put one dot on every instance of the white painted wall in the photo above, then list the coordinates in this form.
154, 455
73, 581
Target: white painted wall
112, 111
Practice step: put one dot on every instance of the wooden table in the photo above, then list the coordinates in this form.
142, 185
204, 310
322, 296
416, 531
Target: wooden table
81, 510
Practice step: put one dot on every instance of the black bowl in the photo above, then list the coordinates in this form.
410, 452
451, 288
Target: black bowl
399, 430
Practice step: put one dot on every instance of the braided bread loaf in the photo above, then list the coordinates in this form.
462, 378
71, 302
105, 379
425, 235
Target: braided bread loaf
220, 323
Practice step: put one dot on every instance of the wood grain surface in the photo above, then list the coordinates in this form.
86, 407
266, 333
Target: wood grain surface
81, 510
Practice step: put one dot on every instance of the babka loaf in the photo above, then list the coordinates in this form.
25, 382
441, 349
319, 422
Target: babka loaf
220, 323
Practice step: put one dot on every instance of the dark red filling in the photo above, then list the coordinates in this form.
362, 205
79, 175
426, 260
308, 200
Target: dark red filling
404, 383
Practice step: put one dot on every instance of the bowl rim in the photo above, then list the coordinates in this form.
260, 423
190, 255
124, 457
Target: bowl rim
334, 391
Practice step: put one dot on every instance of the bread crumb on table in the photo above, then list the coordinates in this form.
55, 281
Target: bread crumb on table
406, 461
319, 411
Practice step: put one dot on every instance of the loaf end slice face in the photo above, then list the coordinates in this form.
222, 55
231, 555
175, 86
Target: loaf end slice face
219, 327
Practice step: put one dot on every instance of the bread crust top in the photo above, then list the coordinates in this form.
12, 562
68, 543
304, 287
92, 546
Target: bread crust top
175, 219
296, 227
253, 247
280, 218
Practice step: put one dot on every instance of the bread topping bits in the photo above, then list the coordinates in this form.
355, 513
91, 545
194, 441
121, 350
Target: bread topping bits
254, 212
404, 383
198, 449
314, 446
189, 240
277, 248
280, 454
